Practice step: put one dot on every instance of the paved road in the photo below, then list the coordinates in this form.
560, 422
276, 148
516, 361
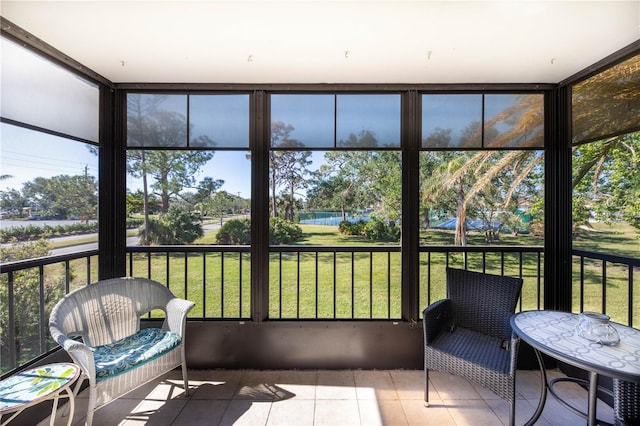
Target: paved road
131, 241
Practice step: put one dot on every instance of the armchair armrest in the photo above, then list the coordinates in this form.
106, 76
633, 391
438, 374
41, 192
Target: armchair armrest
514, 347
81, 355
79, 352
177, 310
435, 317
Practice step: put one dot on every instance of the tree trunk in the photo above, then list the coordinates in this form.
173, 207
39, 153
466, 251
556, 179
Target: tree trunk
461, 223
293, 204
145, 199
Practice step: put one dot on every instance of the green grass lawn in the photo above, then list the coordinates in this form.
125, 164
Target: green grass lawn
619, 239
367, 285
616, 238
363, 285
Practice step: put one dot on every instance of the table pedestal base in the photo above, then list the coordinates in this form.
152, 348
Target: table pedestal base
546, 385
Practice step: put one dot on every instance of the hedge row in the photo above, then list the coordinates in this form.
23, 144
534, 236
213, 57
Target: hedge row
34, 232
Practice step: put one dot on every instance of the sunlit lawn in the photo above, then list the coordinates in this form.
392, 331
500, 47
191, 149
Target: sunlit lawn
620, 239
367, 285
362, 285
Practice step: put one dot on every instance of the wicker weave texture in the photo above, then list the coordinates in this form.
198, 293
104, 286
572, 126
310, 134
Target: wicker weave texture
626, 403
107, 311
483, 302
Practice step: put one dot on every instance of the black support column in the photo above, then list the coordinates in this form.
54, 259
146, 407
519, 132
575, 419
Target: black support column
558, 242
113, 184
259, 143
410, 192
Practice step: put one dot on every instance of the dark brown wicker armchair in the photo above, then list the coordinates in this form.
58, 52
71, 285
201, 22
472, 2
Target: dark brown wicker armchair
468, 333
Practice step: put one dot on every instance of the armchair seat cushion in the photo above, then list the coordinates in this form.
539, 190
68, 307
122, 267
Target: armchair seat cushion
464, 345
121, 356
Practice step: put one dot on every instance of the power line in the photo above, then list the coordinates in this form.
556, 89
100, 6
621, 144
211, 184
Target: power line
30, 156
36, 165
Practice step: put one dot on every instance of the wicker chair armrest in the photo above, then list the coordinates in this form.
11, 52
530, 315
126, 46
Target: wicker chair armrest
177, 310
435, 317
514, 347
80, 353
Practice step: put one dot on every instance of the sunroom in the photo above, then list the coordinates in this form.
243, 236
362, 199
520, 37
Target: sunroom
304, 171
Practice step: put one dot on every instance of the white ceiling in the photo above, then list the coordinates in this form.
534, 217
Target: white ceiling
307, 41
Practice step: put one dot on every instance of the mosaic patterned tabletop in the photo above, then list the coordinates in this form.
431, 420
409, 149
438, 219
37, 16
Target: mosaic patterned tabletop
554, 333
36, 384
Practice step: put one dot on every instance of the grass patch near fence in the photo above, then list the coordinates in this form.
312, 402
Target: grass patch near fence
590, 294
376, 277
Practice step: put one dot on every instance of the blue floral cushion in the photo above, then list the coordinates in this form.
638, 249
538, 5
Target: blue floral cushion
121, 356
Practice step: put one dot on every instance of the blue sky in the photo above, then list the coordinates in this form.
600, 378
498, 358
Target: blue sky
26, 154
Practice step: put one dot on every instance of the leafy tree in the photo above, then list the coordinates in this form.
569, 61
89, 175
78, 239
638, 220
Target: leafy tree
177, 226
12, 199
385, 175
359, 180
64, 195
348, 174
288, 165
440, 138
220, 204
279, 135
500, 176
429, 204
171, 170
606, 179
26, 287
136, 202
206, 190
452, 178
364, 139
332, 191
288, 206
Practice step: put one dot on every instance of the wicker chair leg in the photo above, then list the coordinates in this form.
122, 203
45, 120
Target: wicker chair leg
426, 387
512, 412
91, 407
184, 378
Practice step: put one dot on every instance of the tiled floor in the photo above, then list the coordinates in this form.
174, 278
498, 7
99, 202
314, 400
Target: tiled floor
326, 397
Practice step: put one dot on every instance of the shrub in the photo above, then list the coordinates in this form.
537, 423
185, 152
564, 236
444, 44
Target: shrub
177, 226
283, 232
377, 230
34, 232
352, 228
235, 231
28, 294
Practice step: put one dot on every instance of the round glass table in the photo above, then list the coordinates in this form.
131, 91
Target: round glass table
554, 334
33, 386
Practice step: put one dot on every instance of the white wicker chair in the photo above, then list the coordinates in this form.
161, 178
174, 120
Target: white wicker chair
109, 312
